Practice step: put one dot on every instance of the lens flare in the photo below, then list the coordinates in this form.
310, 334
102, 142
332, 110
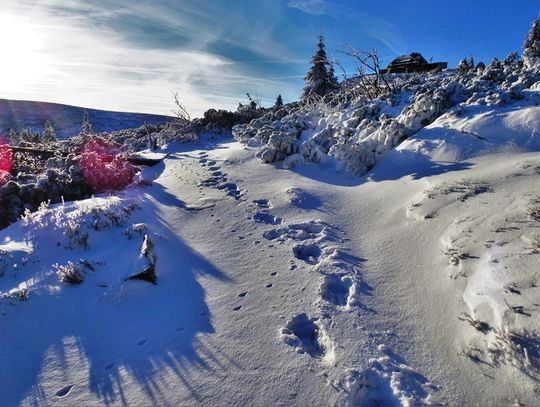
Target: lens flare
6, 161
104, 165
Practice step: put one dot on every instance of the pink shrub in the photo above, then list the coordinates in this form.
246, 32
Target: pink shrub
105, 166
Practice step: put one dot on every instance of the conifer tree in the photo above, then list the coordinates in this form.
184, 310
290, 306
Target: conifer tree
49, 135
531, 47
14, 138
86, 128
279, 102
320, 79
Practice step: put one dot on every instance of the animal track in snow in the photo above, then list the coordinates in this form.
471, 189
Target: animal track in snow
64, 391
238, 308
241, 295
307, 336
142, 342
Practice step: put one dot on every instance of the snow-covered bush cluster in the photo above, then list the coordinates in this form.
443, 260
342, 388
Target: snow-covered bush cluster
74, 222
105, 166
357, 131
60, 179
213, 121
279, 131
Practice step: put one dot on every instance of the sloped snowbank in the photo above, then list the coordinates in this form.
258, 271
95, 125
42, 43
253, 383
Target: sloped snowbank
359, 132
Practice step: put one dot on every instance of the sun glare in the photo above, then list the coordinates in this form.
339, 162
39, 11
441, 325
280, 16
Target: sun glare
20, 44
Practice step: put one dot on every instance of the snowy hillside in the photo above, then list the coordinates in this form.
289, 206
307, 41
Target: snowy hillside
66, 120
415, 284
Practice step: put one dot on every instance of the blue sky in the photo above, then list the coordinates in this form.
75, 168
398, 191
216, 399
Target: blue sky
130, 55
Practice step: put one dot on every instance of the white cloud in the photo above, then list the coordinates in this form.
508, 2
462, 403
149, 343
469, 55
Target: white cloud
78, 60
314, 7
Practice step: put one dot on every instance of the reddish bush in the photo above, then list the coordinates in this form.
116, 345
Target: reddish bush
6, 161
105, 166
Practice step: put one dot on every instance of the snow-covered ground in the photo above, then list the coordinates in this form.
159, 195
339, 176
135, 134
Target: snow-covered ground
414, 284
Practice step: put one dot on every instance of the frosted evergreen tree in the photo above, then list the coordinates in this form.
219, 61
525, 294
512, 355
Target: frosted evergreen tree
86, 128
279, 102
531, 47
320, 79
49, 135
332, 74
14, 138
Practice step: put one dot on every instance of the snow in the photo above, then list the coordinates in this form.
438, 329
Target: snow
295, 283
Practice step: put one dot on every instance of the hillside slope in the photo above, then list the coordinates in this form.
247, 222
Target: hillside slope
66, 120
413, 284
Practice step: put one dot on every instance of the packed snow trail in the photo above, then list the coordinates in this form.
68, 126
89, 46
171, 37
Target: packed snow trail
304, 287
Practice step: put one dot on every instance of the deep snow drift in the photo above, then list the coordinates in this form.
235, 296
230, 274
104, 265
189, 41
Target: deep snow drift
414, 284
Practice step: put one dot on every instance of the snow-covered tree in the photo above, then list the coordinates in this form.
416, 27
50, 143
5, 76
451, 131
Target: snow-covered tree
320, 79
29, 137
86, 127
531, 47
14, 138
279, 102
49, 135
463, 66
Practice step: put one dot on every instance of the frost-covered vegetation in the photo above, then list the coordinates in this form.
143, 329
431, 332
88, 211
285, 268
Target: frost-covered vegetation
357, 130
39, 168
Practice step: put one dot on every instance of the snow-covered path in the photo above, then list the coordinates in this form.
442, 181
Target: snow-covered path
303, 287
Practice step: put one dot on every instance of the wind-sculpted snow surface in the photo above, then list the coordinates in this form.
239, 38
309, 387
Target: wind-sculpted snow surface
359, 132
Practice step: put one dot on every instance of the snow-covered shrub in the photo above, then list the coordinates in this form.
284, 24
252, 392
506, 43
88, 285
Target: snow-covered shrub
75, 221
105, 165
531, 47
70, 273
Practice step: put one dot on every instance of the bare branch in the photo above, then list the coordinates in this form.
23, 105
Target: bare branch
179, 112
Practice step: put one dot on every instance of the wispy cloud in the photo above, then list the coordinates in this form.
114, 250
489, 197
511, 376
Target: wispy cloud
132, 58
314, 7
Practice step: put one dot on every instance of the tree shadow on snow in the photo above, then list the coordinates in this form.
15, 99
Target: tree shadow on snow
128, 333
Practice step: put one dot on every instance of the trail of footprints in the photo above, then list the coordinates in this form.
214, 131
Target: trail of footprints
315, 244
218, 179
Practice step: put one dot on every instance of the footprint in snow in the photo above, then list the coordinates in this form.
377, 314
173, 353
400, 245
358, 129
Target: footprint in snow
238, 308
310, 253
267, 218
338, 290
306, 335
109, 366
241, 295
64, 391
142, 342
269, 285
262, 203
